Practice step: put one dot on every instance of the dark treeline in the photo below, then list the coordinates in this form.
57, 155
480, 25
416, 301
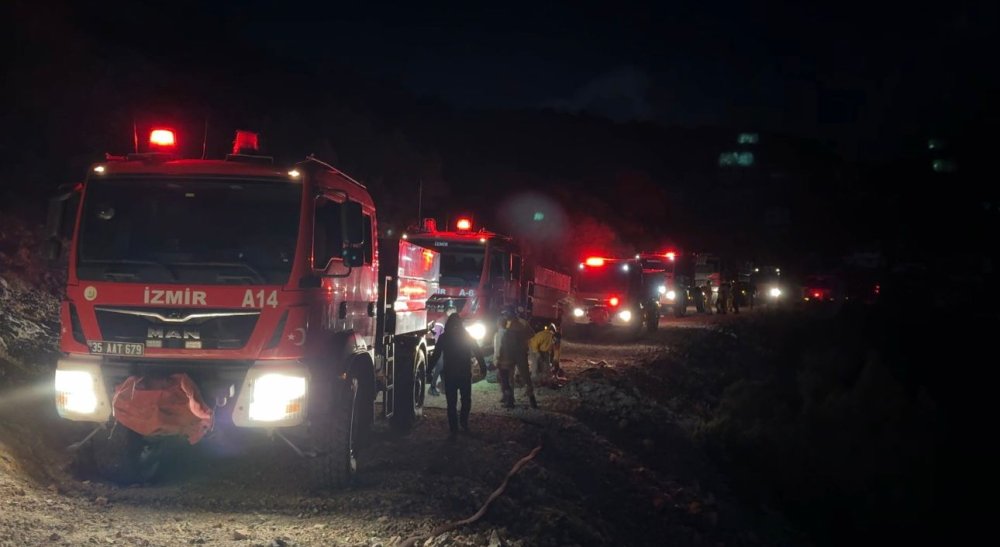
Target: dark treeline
600, 186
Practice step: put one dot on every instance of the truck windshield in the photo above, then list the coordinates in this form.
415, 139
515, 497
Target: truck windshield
461, 265
208, 231
608, 278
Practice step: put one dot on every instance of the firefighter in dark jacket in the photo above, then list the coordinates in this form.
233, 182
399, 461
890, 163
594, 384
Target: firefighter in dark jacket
458, 349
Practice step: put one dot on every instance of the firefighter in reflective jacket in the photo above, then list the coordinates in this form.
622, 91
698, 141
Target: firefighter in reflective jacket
514, 354
540, 349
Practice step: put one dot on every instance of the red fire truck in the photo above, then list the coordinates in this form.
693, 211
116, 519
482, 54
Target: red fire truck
614, 292
206, 294
481, 273
670, 276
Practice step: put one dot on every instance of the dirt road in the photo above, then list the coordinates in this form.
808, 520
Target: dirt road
616, 468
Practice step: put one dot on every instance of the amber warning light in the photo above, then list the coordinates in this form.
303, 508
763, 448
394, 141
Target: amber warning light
162, 138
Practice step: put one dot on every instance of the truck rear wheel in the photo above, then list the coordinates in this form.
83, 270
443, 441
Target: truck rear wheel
124, 456
409, 392
335, 436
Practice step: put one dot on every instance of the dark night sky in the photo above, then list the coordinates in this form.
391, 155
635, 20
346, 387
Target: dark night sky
840, 70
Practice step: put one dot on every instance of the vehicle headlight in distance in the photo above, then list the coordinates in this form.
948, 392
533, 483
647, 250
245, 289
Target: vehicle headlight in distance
277, 397
671, 295
775, 292
662, 289
476, 330
625, 315
577, 312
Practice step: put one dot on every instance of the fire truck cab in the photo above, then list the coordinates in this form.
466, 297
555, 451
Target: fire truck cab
613, 292
480, 274
205, 294
670, 277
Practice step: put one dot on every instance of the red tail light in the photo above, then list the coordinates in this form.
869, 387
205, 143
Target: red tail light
613, 301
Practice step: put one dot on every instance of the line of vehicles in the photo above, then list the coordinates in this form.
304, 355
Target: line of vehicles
210, 294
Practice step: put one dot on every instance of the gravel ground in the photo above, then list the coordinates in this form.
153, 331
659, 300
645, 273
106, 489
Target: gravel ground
615, 468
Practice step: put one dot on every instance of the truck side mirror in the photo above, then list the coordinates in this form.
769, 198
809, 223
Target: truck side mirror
353, 225
515, 267
52, 249
354, 257
57, 226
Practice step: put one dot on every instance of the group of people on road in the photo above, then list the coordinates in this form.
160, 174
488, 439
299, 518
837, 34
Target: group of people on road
728, 297
518, 352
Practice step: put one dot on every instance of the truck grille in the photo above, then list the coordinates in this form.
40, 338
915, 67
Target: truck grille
178, 328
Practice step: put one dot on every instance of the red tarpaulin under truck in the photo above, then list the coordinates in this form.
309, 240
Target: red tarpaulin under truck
206, 294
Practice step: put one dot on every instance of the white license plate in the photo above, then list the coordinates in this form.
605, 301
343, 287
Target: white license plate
116, 348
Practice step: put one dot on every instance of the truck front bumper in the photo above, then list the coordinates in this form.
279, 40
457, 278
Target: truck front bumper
603, 315
260, 394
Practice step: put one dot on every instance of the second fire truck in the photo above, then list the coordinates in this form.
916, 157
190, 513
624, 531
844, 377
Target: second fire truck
482, 272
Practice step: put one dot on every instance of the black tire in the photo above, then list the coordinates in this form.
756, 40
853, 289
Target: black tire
409, 393
364, 413
333, 436
125, 457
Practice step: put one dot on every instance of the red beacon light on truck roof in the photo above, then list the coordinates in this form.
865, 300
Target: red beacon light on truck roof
246, 142
162, 139
670, 255
464, 224
594, 261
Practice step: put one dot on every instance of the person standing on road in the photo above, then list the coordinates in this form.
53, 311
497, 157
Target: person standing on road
458, 348
722, 300
708, 296
514, 355
437, 329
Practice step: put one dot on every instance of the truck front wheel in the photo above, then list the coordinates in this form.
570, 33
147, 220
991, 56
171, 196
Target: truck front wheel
409, 392
124, 456
335, 436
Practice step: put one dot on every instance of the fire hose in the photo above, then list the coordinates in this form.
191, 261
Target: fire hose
410, 542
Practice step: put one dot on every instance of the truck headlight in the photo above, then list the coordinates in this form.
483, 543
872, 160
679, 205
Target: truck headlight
577, 312
671, 295
273, 396
476, 330
775, 292
277, 397
80, 393
75, 391
662, 289
625, 315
